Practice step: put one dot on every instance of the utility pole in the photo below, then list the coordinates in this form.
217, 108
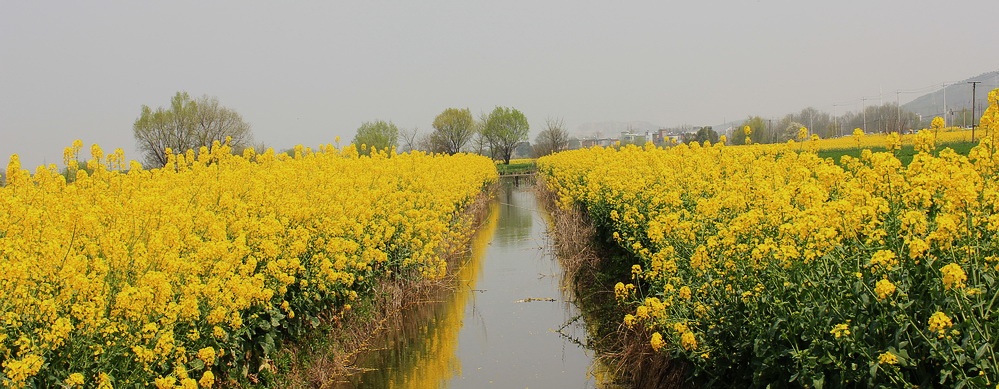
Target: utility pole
839, 132
974, 117
898, 110
944, 86
863, 104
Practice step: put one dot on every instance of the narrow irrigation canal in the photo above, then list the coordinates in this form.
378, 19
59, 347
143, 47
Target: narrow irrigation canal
507, 324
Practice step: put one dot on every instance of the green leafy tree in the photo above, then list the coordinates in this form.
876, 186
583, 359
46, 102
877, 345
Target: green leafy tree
962, 118
757, 131
706, 134
377, 135
504, 129
188, 124
453, 128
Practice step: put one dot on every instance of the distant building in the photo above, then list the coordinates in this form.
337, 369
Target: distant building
585, 143
660, 136
663, 136
632, 138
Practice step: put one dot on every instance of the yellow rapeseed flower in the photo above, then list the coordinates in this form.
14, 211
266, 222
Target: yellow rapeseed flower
841, 330
884, 259
688, 341
939, 323
75, 379
953, 276
629, 320
884, 288
684, 292
642, 312
657, 341
165, 382
620, 291
197, 244
888, 358
188, 383
207, 355
894, 141
104, 381
207, 380
721, 220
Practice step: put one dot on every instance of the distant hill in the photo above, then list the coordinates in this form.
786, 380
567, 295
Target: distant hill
958, 96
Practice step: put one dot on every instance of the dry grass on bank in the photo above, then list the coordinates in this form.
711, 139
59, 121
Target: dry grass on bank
625, 352
330, 357
572, 238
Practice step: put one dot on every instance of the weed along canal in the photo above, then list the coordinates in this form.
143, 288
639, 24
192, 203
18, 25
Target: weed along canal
506, 324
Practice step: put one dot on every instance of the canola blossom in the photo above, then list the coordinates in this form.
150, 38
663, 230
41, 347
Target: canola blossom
766, 263
169, 277
930, 137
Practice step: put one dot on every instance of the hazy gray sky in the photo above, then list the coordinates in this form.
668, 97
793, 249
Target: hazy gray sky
305, 72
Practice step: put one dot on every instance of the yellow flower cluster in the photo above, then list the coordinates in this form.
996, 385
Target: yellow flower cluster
884, 288
940, 322
929, 137
884, 259
769, 246
122, 276
657, 341
888, 358
841, 330
953, 276
623, 291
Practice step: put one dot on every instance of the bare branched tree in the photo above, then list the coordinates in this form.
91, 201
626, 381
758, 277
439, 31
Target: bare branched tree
188, 124
479, 144
552, 139
408, 139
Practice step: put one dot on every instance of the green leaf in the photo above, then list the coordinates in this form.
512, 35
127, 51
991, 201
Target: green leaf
819, 382
268, 344
982, 350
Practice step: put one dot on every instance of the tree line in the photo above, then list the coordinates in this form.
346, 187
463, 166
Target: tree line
888, 117
455, 130
194, 123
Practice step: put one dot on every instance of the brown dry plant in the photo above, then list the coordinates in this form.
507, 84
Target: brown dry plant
625, 352
327, 358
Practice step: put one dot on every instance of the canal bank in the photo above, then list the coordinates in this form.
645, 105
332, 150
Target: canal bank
507, 324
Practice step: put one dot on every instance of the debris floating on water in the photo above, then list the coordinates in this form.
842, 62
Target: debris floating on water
529, 299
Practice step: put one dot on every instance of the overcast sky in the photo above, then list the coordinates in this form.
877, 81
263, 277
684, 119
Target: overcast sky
305, 72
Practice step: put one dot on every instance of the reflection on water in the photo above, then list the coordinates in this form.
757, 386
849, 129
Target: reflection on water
483, 334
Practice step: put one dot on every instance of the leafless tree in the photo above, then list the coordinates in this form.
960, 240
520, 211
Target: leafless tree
188, 124
408, 139
552, 139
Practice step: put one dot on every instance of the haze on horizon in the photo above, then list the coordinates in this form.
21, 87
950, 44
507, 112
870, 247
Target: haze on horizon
307, 72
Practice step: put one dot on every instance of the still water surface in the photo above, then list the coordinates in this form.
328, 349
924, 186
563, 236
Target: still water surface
484, 334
